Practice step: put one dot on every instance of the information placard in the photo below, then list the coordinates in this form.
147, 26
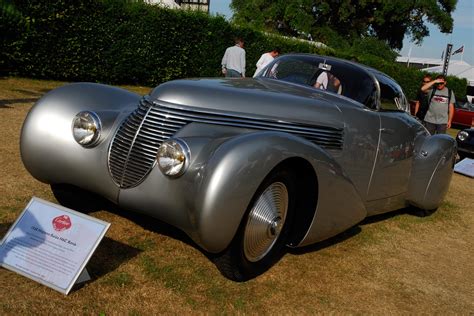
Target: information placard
51, 244
465, 167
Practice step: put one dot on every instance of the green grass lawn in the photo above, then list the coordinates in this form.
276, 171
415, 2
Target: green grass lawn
397, 263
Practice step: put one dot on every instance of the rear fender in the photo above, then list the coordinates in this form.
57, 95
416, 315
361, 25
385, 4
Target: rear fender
432, 171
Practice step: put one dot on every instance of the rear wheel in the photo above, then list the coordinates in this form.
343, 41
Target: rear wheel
421, 212
263, 233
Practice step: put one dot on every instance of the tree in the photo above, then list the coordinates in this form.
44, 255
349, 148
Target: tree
388, 20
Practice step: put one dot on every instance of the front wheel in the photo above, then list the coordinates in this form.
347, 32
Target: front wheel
263, 233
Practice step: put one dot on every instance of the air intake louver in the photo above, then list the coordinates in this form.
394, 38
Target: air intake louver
133, 151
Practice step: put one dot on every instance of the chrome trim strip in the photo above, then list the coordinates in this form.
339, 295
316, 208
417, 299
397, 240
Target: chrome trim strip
328, 137
376, 157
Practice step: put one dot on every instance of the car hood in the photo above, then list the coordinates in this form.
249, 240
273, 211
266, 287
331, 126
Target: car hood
260, 97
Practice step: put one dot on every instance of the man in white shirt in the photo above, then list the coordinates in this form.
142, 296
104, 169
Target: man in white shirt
327, 81
233, 62
265, 59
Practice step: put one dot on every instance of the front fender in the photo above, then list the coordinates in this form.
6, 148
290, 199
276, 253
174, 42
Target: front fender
236, 169
48, 149
432, 171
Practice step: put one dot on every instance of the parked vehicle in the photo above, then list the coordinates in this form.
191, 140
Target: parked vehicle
245, 167
463, 114
465, 140
470, 92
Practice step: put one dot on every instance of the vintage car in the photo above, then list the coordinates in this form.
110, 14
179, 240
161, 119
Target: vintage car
245, 167
463, 114
465, 140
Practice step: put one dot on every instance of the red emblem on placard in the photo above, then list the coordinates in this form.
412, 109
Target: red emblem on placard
61, 223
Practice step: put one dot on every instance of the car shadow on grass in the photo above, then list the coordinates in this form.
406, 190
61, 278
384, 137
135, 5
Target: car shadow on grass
108, 257
88, 202
357, 229
113, 253
7, 103
4, 227
96, 203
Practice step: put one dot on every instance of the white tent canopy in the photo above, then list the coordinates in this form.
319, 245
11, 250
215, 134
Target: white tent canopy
460, 70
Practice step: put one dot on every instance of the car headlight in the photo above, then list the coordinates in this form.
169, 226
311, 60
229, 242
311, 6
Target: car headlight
463, 135
86, 128
173, 157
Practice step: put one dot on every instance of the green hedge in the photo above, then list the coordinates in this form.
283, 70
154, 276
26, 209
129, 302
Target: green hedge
128, 42
120, 41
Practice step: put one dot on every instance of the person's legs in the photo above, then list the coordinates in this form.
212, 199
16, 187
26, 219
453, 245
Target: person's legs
441, 128
231, 73
430, 127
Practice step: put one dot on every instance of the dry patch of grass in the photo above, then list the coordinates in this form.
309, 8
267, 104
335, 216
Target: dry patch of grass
396, 263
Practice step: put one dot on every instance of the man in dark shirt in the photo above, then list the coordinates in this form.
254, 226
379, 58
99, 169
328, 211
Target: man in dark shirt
421, 105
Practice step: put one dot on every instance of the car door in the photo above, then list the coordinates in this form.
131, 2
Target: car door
394, 156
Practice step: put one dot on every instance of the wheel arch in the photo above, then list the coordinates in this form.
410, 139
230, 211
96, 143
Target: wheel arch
306, 198
235, 171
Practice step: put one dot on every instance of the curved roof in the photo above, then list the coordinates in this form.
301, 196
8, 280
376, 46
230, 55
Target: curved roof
358, 80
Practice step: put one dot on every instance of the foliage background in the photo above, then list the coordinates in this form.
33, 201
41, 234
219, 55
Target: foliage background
129, 42
388, 20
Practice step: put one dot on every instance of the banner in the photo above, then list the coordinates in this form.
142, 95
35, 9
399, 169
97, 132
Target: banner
459, 50
449, 47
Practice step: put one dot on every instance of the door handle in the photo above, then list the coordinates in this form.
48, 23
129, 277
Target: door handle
387, 131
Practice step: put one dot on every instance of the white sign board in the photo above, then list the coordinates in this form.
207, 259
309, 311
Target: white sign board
51, 244
465, 167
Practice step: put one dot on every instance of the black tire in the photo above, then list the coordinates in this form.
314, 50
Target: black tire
248, 257
461, 156
77, 199
418, 212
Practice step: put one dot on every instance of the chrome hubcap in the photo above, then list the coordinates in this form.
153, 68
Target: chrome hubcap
274, 228
265, 221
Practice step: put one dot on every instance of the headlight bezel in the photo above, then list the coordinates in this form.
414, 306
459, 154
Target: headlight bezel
181, 147
93, 119
463, 136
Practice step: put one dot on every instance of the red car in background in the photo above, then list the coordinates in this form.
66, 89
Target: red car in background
463, 114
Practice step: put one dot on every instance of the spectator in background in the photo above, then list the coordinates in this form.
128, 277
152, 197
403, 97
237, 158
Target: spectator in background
327, 81
440, 106
233, 62
265, 59
421, 105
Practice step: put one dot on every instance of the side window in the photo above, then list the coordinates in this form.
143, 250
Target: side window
392, 97
326, 80
371, 101
291, 70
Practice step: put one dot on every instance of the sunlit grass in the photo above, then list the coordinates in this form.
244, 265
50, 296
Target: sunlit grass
396, 264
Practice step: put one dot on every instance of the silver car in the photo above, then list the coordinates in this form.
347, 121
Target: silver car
245, 167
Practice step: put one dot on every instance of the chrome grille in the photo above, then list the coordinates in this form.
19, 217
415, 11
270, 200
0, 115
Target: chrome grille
133, 150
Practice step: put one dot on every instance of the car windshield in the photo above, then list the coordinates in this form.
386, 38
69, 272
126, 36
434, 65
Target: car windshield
329, 74
465, 105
